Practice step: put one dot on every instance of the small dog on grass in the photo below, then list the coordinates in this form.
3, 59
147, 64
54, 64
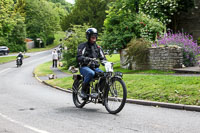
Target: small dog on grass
73, 69
52, 76
60, 64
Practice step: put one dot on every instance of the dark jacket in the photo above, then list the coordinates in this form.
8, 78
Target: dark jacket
20, 55
89, 50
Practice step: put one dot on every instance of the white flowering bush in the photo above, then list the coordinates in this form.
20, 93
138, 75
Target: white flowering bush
165, 9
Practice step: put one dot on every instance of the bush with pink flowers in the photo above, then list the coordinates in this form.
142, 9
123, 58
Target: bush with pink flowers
190, 47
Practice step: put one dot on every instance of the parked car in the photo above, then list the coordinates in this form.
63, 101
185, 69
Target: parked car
4, 50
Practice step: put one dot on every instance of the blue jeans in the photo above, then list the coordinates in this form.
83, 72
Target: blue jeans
88, 73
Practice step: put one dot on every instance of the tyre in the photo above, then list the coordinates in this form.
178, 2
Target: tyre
77, 86
115, 96
17, 63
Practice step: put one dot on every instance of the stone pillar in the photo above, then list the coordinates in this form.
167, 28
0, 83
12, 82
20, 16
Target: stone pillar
123, 59
133, 65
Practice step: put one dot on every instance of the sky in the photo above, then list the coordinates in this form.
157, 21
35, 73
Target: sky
70, 1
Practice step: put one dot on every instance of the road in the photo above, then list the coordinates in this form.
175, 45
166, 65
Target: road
28, 106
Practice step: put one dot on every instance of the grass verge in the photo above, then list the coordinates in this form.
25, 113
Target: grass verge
151, 85
161, 88
65, 82
9, 59
44, 69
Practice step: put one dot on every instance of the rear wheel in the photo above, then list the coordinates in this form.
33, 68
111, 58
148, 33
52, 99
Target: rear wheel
115, 96
77, 86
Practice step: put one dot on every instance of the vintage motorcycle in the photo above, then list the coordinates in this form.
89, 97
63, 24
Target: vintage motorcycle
106, 88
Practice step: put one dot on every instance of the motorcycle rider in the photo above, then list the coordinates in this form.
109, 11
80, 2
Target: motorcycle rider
21, 56
86, 51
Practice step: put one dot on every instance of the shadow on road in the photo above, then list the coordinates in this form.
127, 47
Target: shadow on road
76, 111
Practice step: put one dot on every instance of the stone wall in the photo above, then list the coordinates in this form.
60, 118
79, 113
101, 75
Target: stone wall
161, 58
165, 58
30, 45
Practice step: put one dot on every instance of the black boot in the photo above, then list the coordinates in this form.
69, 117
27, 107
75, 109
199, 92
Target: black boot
84, 90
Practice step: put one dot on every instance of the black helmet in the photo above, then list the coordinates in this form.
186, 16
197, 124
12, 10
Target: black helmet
91, 31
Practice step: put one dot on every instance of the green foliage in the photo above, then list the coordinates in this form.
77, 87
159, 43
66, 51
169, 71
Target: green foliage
44, 69
62, 8
35, 19
118, 25
6, 59
19, 7
160, 9
12, 27
41, 21
16, 47
18, 34
50, 38
137, 51
63, 4
165, 9
87, 11
77, 37
56, 41
148, 28
123, 23
7, 22
163, 88
198, 41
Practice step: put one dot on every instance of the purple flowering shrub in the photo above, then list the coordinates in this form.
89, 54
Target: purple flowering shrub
190, 47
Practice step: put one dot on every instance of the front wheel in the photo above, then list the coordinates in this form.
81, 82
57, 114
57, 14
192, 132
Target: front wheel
115, 96
77, 86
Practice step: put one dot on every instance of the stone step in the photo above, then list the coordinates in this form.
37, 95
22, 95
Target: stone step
195, 70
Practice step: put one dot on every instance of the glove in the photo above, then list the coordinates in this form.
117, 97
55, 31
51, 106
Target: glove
103, 62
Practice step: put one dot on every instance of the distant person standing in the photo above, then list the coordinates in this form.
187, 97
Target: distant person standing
61, 45
59, 53
55, 58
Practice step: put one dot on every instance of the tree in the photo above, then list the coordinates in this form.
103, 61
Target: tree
166, 11
124, 23
91, 12
19, 7
7, 22
77, 37
42, 20
12, 27
63, 8
18, 34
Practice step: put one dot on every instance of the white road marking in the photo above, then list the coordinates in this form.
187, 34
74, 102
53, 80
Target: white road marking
4, 70
23, 125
